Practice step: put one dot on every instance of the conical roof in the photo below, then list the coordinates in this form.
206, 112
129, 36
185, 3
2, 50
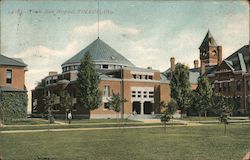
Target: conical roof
100, 52
208, 40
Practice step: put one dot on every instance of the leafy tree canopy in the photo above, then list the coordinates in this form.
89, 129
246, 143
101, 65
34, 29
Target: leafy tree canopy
181, 87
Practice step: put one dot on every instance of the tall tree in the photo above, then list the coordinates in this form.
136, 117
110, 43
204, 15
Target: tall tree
66, 102
181, 87
49, 102
88, 80
203, 96
114, 103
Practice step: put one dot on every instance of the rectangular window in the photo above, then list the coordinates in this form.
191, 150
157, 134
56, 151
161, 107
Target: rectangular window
224, 87
74, 107
105, 66
248, 85
133, 94
151, 94
220, 87
150, 77
106, 91
228, 86
238, 85
106, 106
134, 76
9, 76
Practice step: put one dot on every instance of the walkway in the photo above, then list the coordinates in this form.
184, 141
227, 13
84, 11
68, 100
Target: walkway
80, 129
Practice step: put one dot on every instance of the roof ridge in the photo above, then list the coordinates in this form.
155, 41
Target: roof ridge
14, 60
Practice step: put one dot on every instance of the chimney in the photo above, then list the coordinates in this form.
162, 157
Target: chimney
51, 73
196, 63
203, 69
219, 55
172, 63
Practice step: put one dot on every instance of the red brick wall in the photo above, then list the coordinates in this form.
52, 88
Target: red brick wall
18, 77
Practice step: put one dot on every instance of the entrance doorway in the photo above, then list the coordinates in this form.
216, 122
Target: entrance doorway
148, 108
137, 107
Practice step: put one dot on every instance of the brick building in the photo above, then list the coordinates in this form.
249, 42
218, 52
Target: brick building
231, 76
143, 88
12, 80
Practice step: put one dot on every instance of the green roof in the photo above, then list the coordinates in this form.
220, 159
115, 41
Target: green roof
100, 52
11, 61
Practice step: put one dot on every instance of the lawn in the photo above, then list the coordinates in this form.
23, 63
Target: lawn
27, 121
206, 142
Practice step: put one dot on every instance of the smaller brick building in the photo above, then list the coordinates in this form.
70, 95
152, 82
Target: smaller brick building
12, 81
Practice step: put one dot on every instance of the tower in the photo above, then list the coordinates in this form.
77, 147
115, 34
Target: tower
210, 52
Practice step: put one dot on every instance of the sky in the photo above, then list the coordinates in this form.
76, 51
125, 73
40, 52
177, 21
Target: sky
47, 33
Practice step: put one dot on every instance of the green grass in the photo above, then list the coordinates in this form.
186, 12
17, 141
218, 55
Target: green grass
97, 120
91, 125
195, 118
30, 121
205, 142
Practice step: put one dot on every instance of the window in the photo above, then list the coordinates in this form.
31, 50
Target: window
106, 91
9, 76
248, 85
151, 94
220, 87
248, 101
105, 66
224, 87
134, 76
228, 86
238, 85
106, 106
74, 107
133, 94
150, 77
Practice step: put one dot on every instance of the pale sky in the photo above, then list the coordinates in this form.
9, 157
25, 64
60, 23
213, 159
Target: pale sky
47, 33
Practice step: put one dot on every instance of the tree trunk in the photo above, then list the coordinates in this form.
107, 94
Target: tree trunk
199, 116
205, 114
65, 117
165, 126
225, 129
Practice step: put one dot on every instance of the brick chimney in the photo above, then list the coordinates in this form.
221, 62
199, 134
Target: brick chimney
196, 63
203, 69
219, 55
172, 63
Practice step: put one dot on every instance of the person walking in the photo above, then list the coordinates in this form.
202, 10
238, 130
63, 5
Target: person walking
69, 117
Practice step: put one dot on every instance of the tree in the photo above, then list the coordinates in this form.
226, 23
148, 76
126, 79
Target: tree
181, 87
114, 103
49, 102
203, 96
66, 102
88, 80
168, 111
222, 109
